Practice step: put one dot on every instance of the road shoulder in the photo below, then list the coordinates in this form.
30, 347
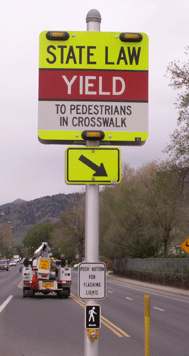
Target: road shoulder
159, 287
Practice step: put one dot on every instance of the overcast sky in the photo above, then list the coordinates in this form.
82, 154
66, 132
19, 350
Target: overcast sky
29, 169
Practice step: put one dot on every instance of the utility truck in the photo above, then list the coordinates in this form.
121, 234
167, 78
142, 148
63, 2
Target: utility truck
45, 274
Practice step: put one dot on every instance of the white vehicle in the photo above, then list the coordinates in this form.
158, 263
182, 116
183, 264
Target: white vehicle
16, 257
45, 274
13, 262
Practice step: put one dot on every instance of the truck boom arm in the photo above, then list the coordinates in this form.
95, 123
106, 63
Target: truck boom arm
43, 251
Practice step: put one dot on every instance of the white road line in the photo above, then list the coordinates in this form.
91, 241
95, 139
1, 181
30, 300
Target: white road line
5, 303
128, 298
109, 291
159, 309
150, 292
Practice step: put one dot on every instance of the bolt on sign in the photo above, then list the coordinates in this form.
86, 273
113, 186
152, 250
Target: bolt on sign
93, 81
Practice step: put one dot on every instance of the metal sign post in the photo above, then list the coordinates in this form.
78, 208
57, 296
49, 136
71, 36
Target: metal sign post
93, 20
91, 247
93, 87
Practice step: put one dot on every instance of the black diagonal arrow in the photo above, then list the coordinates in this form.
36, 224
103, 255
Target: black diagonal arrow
99, 170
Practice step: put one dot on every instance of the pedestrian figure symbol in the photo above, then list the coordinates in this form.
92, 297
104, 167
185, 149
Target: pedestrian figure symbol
92, 316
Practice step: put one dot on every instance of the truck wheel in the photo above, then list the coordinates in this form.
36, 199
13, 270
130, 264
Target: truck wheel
24, 292
59, 294
67, 293
32, 293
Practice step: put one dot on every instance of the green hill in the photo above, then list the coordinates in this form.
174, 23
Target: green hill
22, 215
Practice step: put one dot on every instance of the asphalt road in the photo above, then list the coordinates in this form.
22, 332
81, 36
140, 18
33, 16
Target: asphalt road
45, 325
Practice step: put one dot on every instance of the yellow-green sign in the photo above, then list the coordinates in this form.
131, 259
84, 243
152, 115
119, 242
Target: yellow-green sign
93, 165
93, 50
93, 81
185, 245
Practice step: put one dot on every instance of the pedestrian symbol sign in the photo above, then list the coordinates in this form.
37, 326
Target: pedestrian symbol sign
92, 316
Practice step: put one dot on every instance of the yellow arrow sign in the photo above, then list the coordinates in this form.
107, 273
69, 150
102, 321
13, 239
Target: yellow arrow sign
185, 245
93, 165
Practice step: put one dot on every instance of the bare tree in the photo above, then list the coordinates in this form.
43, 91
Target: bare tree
69, 234
178, 73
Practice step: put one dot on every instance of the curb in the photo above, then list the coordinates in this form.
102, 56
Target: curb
150, 285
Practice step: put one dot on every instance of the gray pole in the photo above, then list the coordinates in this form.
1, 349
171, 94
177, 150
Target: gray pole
93, 20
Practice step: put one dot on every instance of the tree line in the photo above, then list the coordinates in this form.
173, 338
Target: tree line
6, 242
140, 217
